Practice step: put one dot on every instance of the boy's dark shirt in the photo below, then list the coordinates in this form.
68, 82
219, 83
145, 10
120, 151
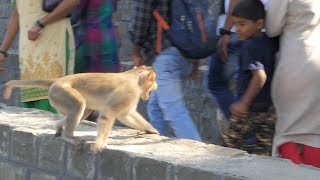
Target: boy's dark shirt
257, 53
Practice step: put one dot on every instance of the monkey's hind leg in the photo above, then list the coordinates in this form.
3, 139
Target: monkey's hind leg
59, 127
67, 101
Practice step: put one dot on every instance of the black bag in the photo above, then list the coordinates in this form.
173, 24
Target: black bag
49, 5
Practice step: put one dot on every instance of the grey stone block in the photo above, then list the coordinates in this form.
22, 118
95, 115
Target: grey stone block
51, 154
115, 165
12, 61
186, 173
24, 147
11, 172
41, 176
150, 169
5, 1
10, 74
5, 10
71, 178
4, 140
80, 161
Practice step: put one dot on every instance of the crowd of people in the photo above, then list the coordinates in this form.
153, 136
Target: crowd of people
269, 48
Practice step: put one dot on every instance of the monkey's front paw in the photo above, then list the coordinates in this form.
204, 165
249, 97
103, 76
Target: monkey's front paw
97, 147
72, 140
152, 131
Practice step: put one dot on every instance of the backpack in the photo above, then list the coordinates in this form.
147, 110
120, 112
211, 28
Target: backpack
192, 28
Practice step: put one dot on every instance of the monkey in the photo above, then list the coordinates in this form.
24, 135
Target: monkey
113, 95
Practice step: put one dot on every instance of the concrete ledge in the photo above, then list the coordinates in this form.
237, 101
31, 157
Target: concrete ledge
28, 151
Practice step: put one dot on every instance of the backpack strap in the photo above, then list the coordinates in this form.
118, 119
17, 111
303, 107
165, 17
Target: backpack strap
161, 25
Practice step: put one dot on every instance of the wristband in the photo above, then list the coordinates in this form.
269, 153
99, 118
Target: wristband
4, 53
38, 23
223, 32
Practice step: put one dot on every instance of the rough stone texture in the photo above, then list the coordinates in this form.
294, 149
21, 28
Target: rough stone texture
51, 154
4, 143
24, 147
131, 155
151, 169
81, 163
12, 172
41, 176
115, 165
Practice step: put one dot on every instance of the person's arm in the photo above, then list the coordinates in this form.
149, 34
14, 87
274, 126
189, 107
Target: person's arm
12, 30
61, 11
276, 17
224, 40
142, 16
257, 81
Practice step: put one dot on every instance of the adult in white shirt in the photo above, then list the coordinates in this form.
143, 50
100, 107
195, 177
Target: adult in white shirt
296, 85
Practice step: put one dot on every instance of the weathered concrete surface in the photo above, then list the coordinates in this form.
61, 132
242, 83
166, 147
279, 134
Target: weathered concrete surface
28, 150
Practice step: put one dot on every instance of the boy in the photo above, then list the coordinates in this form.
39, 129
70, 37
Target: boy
252, 111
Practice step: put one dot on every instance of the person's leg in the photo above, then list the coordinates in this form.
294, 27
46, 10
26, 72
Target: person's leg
289, 150
234, 136
155, 114
263, 124
311, 155
170, 68
220, 74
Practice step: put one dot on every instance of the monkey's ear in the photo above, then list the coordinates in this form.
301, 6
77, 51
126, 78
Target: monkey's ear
151, 76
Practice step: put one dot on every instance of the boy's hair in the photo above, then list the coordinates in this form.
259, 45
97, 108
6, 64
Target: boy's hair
249, 9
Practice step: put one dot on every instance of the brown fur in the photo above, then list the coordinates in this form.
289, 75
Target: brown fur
113, 95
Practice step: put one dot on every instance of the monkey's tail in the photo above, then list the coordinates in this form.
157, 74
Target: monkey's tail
26, 83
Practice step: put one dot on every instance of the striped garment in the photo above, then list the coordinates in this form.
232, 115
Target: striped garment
97, 47
143, 29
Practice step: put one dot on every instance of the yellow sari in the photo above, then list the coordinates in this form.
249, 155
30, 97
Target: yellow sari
50, 56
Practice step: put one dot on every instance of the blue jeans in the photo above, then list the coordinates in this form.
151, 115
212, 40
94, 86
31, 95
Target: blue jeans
221, 72
166, 105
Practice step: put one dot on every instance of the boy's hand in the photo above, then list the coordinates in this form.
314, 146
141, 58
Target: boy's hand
239, 109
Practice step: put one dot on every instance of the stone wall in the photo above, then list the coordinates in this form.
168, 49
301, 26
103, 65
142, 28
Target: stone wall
11, 64
28, 151
202, 110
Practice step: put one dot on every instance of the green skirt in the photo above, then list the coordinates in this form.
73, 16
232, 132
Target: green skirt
44, 103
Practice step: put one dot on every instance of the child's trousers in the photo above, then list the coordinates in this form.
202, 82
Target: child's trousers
262, 124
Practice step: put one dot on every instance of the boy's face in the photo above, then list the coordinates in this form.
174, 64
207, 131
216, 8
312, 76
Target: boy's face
246, 28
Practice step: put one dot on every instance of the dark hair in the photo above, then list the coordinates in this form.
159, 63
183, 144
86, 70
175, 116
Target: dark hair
249, 9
